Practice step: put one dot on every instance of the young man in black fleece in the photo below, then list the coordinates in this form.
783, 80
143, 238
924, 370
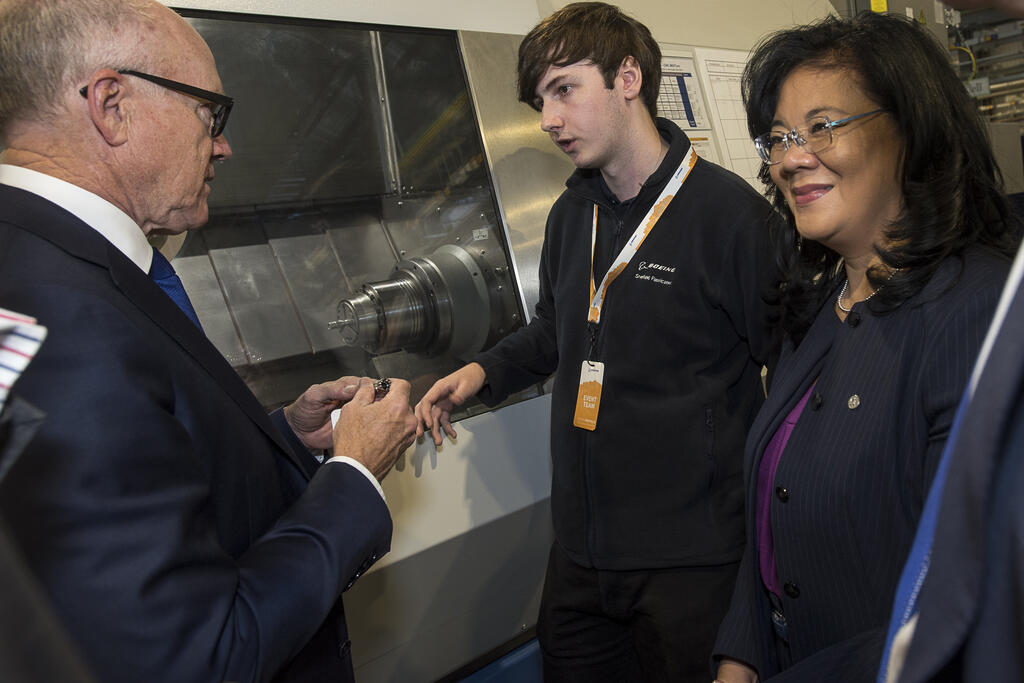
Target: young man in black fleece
652, 311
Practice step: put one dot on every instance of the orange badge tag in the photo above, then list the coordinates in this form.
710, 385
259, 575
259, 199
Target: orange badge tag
589, 399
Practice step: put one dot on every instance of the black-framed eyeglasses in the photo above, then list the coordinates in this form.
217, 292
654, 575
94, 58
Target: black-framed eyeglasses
221, 103
816, 137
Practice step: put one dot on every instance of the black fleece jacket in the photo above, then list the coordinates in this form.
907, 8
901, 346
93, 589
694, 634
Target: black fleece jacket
683, 335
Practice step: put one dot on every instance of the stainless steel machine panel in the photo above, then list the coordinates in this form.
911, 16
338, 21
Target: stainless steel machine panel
361, 247
355, 230
430, 112
306, 263
260, 303
529, 171
206, 297
306, 123
363, 227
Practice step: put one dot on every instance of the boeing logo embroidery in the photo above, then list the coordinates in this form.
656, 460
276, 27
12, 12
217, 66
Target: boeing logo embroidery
658, 270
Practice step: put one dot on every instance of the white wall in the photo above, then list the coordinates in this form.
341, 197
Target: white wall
506, 16
734, 24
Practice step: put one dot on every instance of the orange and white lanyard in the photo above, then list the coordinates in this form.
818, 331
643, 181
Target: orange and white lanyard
598, 294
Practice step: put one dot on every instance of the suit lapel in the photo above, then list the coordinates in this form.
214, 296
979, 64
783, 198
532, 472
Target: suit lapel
796, 371
151, 300
950, 595
66, 231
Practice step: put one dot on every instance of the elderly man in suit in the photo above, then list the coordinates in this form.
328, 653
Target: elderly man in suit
180, 532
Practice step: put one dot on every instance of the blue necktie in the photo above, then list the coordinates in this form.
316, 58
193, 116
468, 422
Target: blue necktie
164, 276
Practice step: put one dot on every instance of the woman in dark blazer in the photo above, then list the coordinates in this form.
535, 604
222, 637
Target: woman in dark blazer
898, 243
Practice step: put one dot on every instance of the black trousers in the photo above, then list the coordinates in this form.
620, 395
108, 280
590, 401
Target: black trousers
624, 626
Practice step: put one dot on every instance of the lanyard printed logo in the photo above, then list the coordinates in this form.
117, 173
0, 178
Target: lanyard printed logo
597, 294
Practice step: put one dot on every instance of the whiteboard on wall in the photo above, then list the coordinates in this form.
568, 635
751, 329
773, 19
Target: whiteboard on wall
720, 72
681, 99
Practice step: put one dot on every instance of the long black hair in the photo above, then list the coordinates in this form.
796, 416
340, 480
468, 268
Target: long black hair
950, 183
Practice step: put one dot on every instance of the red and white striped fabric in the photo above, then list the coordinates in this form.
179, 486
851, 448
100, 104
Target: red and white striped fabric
20, 338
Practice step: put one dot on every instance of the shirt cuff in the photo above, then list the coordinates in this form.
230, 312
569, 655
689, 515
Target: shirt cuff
362, 468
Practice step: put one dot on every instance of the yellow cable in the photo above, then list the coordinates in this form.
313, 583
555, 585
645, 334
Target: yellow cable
974, 64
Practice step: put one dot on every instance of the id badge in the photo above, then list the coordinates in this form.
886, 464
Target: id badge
588, 400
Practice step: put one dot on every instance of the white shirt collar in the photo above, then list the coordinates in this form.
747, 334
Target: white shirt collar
114, 224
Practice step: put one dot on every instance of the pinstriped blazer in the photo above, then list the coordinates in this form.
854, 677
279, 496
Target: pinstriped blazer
851, 484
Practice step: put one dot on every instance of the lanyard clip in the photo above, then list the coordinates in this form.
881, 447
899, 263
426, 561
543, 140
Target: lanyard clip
592, 330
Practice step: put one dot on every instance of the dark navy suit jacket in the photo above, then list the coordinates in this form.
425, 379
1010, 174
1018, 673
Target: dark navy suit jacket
971, 607
851, 484
180, 533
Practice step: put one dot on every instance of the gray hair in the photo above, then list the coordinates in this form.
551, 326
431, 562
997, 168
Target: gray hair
48, 47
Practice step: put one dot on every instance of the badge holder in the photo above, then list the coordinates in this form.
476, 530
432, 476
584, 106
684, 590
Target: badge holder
588, 400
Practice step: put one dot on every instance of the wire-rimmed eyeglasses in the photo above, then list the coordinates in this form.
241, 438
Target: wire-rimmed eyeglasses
816, 137
221, 103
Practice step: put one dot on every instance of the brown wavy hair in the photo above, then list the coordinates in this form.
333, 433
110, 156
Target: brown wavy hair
594, 31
